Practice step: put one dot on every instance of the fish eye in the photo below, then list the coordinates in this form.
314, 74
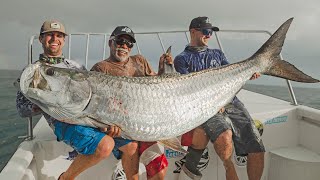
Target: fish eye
50, 72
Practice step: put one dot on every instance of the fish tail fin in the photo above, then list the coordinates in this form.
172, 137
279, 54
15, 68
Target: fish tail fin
270, 52
283, 69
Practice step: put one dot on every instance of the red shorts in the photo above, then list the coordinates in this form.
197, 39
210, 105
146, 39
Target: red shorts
186, 138
157, 163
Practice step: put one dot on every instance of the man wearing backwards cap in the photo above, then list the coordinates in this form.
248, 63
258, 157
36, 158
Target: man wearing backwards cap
94, 145
196, 57
120, 63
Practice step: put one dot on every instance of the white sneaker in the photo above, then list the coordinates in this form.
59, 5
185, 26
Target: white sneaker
185, 174
118, 173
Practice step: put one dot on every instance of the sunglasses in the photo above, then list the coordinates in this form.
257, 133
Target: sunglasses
122, 41
206, 32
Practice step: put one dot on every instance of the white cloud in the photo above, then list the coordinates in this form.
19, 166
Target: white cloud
21, 19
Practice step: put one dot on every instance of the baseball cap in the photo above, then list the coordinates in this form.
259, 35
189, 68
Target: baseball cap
51, 26
202, 23
121, 30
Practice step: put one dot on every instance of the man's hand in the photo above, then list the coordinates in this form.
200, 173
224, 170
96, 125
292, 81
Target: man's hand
221, 110
113, 131
255, 76
36, 108
165, 58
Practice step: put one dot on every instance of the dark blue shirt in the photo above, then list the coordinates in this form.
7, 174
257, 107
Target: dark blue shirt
191, 60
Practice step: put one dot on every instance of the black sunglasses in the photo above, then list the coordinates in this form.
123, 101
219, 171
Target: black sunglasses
122, 41
206, 32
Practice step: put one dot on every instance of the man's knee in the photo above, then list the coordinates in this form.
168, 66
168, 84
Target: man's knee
223, 145
159, 175
200, 138
105, 147
225, 137
157, 167
130, 148
256, 158
163, 172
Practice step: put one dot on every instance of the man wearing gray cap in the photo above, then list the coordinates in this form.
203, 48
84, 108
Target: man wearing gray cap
241, 130
94, 145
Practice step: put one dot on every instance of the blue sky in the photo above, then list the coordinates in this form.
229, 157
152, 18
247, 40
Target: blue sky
21, 19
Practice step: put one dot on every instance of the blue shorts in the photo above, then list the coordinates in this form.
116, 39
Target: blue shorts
85, 139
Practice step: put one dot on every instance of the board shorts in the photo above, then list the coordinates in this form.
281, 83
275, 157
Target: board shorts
84, 139
245, 135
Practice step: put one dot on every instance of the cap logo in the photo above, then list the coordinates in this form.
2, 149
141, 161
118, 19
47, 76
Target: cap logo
126, 29
207, 20
55, 26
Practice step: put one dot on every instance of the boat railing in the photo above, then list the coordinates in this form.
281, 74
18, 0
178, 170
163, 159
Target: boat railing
158, 34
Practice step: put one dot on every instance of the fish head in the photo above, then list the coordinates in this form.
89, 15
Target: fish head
61, 93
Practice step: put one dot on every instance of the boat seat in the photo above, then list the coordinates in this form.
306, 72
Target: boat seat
294, 163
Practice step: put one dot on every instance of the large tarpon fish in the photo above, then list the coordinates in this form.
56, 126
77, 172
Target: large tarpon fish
151, 108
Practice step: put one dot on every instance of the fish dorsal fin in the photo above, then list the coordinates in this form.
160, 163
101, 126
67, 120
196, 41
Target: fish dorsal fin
172, 75
169, 68
174, 144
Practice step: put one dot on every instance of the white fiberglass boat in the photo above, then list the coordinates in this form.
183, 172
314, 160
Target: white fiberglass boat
290, 136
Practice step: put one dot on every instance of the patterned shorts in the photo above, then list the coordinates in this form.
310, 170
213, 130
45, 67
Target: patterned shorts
245, 135
83, 139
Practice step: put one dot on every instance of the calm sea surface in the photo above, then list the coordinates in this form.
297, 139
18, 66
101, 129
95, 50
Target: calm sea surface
12, 126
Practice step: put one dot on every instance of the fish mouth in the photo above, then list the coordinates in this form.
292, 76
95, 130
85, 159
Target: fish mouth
33, 78
39, 82
26, 80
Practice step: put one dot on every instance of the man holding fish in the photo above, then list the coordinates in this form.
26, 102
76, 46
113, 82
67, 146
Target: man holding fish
241, 131
120, 63
95, 144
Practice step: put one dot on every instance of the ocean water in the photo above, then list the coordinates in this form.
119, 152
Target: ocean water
12, 126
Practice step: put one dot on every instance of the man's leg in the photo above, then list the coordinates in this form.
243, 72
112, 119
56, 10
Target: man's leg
160, 175
83, 162
223, 147
255, 165
247, 140
130, 160
151, 155
199, 143
218, 129
91, 143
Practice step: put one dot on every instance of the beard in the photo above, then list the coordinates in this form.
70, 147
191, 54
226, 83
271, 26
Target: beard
120, 58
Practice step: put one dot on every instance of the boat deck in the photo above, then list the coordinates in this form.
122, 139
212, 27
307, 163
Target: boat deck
284, 137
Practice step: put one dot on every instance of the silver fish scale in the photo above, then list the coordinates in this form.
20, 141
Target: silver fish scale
155, 108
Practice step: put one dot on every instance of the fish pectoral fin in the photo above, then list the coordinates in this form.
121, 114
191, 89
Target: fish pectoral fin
60, 113
173, 143
92, 120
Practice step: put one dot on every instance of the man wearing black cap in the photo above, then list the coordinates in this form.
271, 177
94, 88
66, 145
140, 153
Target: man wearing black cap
120, 63
241, 130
